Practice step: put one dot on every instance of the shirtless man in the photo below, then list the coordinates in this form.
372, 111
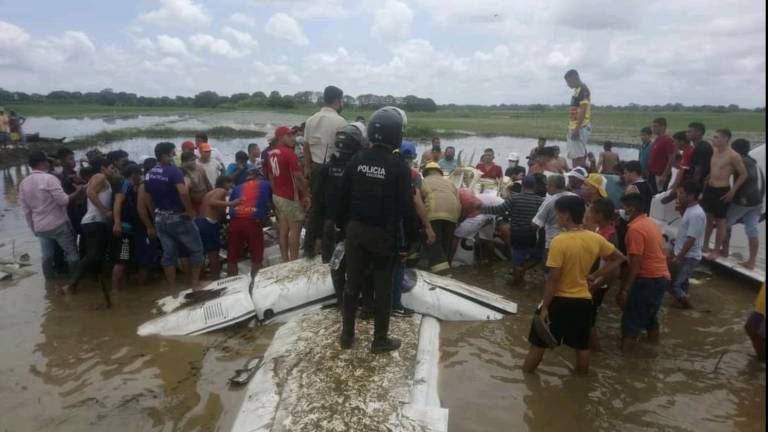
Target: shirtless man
209, 221
606, 164
432, 154
718, 192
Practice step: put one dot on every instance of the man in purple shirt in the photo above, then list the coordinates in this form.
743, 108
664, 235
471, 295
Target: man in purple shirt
174, 216
44, 204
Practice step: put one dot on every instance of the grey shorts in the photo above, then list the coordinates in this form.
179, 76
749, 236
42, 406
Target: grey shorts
577, 148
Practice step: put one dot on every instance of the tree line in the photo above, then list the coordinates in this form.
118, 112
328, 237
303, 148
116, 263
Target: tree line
211, 99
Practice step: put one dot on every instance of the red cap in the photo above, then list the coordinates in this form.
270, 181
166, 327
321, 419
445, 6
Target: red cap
283, 131
204, 147
188, 146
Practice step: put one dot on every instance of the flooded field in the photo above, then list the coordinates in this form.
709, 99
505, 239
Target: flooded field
69, 364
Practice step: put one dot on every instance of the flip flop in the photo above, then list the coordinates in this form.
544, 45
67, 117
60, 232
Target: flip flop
243, 375
542, 331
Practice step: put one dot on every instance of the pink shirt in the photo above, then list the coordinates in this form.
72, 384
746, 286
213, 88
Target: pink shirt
43, 201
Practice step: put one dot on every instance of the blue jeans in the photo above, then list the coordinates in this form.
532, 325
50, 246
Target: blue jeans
398, 276
177, 232
65, 239
643, 304
683, 272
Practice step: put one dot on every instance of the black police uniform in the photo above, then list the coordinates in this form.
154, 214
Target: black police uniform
376, 212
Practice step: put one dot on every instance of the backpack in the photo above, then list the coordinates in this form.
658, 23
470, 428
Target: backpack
751, 193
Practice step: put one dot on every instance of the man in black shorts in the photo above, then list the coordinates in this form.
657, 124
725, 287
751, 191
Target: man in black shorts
567, 304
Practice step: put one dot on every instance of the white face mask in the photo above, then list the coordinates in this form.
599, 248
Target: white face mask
58, 170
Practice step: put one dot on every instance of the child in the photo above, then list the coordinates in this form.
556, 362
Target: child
601, 214
209, 222
689, 242
567, 302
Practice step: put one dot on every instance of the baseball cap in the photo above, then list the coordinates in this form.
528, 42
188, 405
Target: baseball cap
408, 149
598, 182
188, 146
205, 147
36, 157
282, 131
579, 173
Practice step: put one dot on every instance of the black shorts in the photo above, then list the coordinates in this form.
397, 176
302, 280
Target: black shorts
121, 248
570, 320
712, 201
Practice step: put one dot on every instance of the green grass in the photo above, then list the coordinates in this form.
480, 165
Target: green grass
618, 126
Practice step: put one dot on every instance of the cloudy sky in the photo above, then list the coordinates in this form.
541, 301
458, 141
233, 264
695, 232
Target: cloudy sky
455, 51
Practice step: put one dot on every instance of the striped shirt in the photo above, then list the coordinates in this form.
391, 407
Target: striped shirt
519, 208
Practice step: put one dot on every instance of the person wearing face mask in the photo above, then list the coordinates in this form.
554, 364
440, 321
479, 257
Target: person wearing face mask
195, 178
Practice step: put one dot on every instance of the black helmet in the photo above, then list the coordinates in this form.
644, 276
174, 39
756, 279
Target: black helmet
386, 126
349, 139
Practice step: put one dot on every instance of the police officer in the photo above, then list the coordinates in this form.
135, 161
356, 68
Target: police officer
376, 212
325, 197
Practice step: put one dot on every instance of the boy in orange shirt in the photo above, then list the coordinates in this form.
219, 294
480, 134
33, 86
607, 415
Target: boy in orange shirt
648, 275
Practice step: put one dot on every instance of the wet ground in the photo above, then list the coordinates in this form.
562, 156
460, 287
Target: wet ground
69, 364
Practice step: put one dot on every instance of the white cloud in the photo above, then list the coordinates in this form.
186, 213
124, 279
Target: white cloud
279, 74
242, 39
177, 13
171, 46
243, 19
11, 35
216, 46
392, 21
283, 26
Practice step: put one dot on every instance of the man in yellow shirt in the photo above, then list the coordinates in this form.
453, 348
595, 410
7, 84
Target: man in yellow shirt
567, 303
579, 119
755, 325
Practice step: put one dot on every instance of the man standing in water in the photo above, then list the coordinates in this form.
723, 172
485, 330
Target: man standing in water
647, 276
567, 303
44, 204
449, 163
747, 205
690, 238
432, 154
718, 192
376, 208
579, 119
174, 215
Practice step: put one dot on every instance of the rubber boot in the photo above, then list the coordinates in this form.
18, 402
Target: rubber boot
385, 345
348, 321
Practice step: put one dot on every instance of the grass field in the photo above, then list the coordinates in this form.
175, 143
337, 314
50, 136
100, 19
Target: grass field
618, 126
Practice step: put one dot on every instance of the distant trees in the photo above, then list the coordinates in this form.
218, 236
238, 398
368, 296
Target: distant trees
368, 101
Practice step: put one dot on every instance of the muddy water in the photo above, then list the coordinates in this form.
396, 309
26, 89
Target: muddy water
68, 363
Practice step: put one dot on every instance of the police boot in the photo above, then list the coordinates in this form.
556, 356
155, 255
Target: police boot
349, 308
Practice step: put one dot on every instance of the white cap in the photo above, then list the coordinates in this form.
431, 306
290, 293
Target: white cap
578, 172
513, 157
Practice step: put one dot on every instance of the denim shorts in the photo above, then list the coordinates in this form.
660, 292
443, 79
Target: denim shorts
176, 232
749, 216
643, 304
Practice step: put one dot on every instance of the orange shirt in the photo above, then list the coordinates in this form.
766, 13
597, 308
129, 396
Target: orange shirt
644, 239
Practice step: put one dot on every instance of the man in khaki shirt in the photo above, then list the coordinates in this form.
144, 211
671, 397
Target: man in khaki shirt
320, 130
319, 137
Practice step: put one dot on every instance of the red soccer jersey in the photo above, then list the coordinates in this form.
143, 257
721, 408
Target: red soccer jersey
493, 171
685, 163
663, 147
283, 162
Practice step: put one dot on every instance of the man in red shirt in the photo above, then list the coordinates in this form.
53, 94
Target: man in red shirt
487, 167
662, 156
290, 192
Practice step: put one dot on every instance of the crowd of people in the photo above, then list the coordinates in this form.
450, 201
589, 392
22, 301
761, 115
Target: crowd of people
362, 187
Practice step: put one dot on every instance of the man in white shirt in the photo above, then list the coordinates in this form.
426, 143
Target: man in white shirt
320, 130
686, 254
319, 137
546, 217
213, 168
